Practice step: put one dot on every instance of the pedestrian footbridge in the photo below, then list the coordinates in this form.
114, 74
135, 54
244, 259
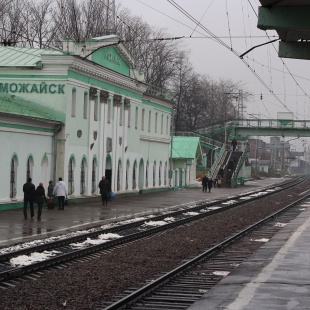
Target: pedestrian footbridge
240, 130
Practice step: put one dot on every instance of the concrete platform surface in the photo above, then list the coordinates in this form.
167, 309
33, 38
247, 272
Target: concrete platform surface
14, 229
276, 277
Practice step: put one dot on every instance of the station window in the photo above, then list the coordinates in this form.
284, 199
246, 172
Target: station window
136, 118
162, 124
142, 120
73, 103
156, 117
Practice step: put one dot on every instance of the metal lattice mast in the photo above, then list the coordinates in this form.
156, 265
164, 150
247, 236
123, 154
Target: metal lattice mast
110, 21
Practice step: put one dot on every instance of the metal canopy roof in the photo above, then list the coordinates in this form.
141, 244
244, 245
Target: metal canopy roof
290, 18
186, 147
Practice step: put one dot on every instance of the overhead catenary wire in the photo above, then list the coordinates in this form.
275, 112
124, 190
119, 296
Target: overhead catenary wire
227, 46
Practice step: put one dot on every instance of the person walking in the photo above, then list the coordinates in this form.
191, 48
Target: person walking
105, 188
40, 199
204, 183
28, 190
60, 190
234, 144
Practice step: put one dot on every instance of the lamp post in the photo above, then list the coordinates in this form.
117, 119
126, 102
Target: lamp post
226, 130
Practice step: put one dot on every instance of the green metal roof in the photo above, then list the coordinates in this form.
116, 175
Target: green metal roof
186, 147
14, 105
11, 56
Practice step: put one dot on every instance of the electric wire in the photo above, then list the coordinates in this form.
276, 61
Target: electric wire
225, 45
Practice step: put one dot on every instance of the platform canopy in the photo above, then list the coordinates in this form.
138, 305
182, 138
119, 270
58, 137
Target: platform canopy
290, 18
186, 148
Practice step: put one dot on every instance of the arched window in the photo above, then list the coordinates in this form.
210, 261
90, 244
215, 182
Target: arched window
93, 176
162, 124
159, 174
167, 125
165, 174
29, 168
82, 185
13, 177
134, 180
71, 177
73, 103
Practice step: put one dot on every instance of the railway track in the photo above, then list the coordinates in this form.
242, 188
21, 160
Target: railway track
66, 250
181, 287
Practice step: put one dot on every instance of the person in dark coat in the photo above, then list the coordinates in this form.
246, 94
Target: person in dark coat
234, 144
210, 184
28, 190
50, 189
105, 189
204, 183
40, 199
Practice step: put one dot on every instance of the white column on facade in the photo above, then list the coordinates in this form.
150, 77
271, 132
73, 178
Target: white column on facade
89, 160
115, 120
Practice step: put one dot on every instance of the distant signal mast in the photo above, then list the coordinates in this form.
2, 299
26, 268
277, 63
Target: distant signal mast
110, 20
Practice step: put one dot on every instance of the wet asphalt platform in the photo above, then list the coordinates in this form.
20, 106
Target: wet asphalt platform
276, 277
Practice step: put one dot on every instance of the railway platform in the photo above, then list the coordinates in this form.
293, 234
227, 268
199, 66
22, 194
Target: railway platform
14, 229
275, 277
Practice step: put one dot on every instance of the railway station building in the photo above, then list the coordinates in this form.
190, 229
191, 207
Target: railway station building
80, 114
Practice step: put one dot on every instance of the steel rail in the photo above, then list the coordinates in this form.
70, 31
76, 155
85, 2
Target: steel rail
132, 298
53, 261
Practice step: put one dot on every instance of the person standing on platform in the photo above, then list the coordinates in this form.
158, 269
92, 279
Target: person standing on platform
105, 188
28, 190
204, 183
60, 190
210, 184
40, 199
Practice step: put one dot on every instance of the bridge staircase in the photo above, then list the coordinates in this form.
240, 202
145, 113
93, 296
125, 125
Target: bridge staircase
238, 159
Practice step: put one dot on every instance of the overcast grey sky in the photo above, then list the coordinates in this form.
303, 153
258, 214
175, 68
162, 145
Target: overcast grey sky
236, 18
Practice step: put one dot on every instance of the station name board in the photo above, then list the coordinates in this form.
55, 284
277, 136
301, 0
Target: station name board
42, 88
